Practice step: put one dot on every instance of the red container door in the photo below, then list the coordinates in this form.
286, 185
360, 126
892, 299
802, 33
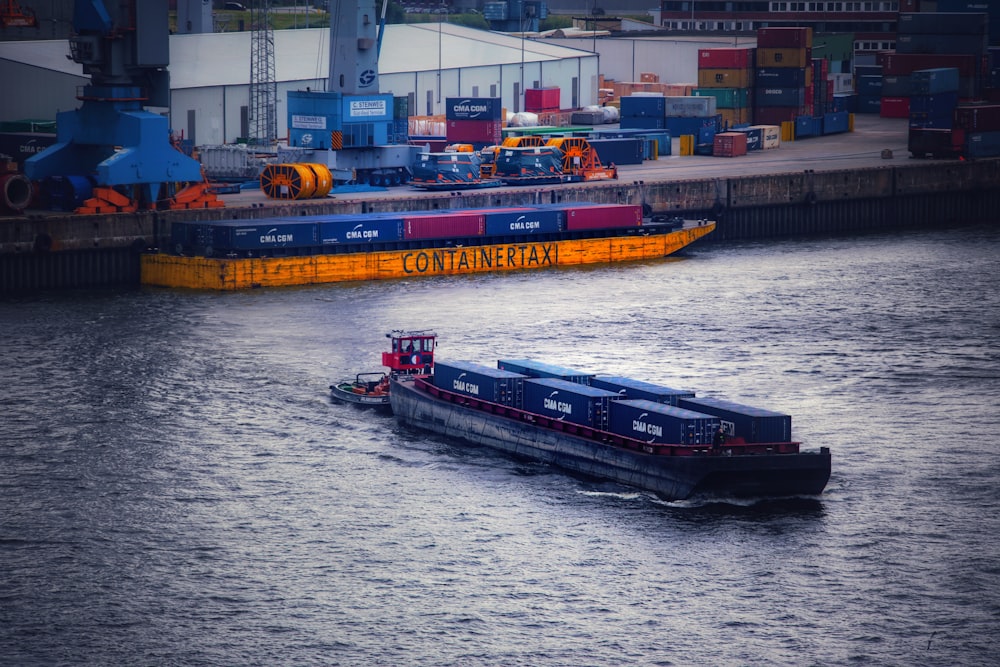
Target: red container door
601, 216
443, 225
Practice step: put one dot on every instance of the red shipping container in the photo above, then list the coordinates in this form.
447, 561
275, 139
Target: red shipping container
474, 131
904, 64
725, 58
443, 225
895, 107
603, 216
541, 99
730, 144
775, 115
977, 118
782, 38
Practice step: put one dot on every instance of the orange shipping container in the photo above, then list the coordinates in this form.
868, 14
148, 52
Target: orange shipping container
800, 57
724, 78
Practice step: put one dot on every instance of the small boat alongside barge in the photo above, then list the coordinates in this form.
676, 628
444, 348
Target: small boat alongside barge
409, 352
615, 429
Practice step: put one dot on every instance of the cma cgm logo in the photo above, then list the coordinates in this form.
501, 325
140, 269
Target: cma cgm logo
270, 236
367, 78
467, 108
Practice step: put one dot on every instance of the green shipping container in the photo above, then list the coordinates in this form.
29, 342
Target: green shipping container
726, 98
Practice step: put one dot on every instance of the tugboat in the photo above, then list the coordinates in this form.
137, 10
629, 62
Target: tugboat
411, 352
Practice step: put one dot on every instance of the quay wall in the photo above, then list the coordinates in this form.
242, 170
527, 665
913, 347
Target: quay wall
47, 251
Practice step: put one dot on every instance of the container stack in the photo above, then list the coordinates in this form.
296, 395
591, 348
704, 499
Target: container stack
927, 40
869, 88
643, 112
473, 120
727, 75
783, 75
696, 118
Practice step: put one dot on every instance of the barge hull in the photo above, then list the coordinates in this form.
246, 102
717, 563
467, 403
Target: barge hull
669, 477
164, 270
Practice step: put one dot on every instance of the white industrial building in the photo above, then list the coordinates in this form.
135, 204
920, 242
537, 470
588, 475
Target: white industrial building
210, 74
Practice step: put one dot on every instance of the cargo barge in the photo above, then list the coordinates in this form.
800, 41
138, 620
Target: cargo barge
240, 254
635, 433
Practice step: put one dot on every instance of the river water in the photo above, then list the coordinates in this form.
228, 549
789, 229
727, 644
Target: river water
176, 487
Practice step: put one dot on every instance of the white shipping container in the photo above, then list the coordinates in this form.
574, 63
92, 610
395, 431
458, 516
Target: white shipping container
842, 83
690, 107
770, 136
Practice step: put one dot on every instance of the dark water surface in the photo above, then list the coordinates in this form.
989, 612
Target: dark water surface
177, 489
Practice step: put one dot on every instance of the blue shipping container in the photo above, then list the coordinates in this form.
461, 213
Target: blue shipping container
618, 151
836, 122
538, 369
845, 102
659, 423
528, 221
931, 81
679, 126
780, 77
264, 234
483, 382
982, 144
808, 126
358, 229
870, 85
744, 421
637, 389
568, 401
473, 108
937, 106
639, 106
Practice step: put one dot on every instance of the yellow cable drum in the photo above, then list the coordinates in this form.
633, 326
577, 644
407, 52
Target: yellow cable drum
296, 181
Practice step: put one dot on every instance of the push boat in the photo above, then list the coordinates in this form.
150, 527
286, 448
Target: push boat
316, 249
643, 435
410, 352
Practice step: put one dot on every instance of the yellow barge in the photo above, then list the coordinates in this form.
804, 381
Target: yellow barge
309, 250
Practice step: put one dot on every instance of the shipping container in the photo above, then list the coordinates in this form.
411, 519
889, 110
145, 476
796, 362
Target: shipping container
770, 136
775, 115
744, 421
779, 97
942, 44
845, 102
641, 106
620, 151
978, 118
936, 142
539, 369
870, 85
689, 106
523, 221
482, 382
943, 23
896, 86
638, 389
935, 106
895, 107
732, 117
360, 229
658, 423
808, 126
726, 58
782, 77
488, 132
936, 80
982, 144
473, 108
869, 104
783, 57
724, 78
781, 37
905, 64
836, 122
439, 225
20, 146
542, 99
264, 236
603, 216
587, 118
568, 401
730, 144
726, 98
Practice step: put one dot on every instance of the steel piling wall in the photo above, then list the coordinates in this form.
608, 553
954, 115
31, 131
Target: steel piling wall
66, 251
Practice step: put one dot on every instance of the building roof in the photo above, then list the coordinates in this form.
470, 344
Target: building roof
223, 58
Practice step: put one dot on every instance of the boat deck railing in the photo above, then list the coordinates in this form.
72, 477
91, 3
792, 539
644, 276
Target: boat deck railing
425, 383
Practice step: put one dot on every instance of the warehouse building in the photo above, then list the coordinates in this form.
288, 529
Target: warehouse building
210, 74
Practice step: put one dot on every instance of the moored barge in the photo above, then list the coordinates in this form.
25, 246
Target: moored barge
240, 254
615, 429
